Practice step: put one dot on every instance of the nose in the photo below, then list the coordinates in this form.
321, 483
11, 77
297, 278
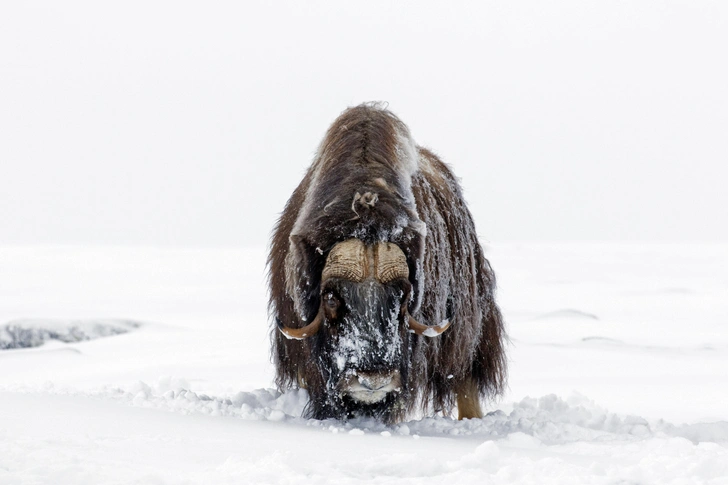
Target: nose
374, 382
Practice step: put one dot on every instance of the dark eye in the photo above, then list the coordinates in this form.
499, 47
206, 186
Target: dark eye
331, 302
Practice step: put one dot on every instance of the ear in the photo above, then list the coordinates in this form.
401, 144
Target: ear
304, 264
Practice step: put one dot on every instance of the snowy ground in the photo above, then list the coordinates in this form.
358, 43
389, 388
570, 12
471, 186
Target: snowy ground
618, 374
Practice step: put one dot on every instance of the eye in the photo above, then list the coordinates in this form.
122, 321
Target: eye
331, 302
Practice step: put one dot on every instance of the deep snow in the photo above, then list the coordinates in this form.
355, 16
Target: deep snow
618, 366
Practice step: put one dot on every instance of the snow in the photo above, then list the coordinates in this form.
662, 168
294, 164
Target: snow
618, 360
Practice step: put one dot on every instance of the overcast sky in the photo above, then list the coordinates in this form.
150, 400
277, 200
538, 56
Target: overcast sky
191, 123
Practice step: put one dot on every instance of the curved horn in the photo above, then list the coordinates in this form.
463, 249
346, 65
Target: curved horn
303, 332
427, 331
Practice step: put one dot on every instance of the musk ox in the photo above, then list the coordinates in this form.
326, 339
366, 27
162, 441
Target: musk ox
382, 299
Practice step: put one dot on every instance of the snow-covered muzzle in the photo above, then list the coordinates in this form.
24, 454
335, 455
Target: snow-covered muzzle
364, 357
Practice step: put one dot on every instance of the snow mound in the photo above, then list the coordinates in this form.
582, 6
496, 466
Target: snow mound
549, 420
26, 333
174, 394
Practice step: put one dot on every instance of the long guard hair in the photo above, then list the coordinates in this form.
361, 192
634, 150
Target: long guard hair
371, 182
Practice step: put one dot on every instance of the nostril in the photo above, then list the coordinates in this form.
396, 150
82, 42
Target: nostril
371, 387
374, 383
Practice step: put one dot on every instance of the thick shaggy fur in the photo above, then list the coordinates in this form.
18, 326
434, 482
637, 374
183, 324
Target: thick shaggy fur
369, 181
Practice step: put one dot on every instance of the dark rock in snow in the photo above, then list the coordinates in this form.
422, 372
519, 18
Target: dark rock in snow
26, 333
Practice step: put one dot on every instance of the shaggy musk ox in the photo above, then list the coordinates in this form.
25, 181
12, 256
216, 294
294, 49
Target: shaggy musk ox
382, 298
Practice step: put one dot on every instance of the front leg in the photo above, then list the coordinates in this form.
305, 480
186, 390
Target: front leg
468, 399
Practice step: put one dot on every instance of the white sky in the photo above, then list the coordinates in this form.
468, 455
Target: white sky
191, 123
